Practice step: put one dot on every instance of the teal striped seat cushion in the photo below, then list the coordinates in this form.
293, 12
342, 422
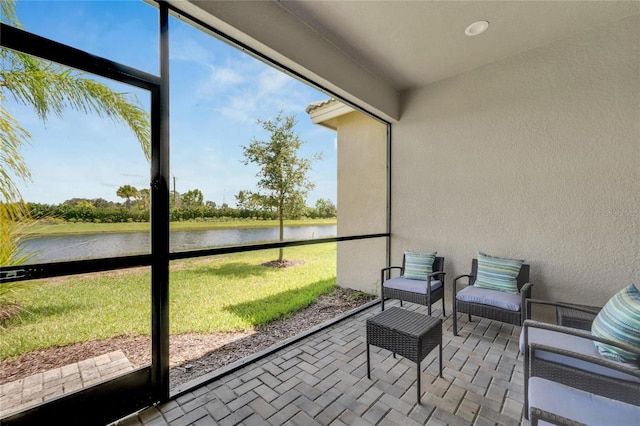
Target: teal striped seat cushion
619, 321
418, 265
497, 273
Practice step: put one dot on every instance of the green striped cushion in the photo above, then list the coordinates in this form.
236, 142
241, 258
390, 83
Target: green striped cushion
496, 273
418, 265
619, 320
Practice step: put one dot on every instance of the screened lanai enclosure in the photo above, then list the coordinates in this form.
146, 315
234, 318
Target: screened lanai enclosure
517, 138
185, 98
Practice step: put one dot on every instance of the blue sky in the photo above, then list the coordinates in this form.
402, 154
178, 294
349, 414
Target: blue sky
217, 95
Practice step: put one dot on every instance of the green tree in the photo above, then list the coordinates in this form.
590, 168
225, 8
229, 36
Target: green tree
282, 173
247, 200
128, 192
326, 208
86, 204
192, 199
242, 200
49, 89
144, 199
175, 199
101, 203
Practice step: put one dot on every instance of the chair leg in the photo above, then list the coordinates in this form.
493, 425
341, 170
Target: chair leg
455, 323
443, 312
429, 309
401, 303
382, 298
454, 316
469, 317
525, 409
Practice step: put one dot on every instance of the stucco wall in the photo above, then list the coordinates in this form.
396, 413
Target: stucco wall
536, 157
362, 200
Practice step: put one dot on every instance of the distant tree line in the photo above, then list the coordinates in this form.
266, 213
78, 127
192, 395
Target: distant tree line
187, 206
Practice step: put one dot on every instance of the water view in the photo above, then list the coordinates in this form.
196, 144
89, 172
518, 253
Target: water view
61, 248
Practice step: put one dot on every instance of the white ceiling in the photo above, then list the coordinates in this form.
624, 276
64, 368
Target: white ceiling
369, 52
410, 44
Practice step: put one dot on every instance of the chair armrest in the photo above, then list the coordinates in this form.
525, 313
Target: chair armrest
388, 269
462, 276
453, 287
456, 279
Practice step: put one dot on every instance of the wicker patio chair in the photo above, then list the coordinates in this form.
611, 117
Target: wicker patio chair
496, 313
569, 370
415, 291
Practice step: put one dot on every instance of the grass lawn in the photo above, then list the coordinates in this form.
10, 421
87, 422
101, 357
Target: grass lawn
220, 293
92, 228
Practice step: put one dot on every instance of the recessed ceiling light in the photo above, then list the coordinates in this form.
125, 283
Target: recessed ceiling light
476, 28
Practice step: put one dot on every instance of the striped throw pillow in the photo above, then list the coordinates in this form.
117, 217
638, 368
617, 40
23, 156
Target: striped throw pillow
418, 265
619, 320
496, 273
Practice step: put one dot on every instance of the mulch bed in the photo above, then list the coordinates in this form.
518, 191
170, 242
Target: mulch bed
191, 355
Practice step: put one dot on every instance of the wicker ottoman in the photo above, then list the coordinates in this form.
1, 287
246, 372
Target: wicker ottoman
407, 333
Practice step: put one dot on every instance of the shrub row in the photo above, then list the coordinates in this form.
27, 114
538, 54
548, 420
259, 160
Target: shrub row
82, 213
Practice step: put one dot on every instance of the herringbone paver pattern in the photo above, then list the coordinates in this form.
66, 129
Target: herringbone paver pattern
322, 380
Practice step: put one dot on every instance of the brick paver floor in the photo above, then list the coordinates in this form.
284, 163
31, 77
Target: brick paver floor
322, 380
32, 390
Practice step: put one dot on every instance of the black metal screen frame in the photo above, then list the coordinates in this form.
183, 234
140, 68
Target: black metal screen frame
222, 36
116, 398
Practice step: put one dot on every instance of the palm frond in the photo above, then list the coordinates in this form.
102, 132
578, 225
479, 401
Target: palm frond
12, 165
11, 232
8, 13
51, 89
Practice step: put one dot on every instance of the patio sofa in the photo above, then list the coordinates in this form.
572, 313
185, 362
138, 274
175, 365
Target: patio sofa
569, 380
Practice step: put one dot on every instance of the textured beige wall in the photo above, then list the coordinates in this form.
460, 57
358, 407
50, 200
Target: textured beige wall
536, 157
362, 200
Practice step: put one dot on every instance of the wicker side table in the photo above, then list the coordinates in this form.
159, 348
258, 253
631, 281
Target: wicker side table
407, 333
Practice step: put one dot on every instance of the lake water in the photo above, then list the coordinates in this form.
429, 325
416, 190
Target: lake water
73, 247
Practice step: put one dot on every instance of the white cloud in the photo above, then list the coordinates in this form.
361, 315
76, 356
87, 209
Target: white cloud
185, 48
225, 75
221, 79
272, 81
245, 90
241, 108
